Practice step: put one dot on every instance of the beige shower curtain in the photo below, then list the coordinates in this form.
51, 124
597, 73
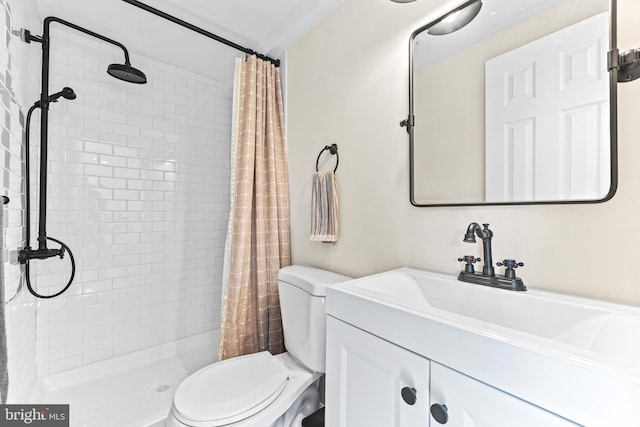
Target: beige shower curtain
258, 234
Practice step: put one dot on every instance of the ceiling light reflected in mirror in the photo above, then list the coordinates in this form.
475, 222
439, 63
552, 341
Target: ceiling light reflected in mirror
456, 19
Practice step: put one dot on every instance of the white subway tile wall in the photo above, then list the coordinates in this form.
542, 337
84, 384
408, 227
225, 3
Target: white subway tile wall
19, 80
139, 190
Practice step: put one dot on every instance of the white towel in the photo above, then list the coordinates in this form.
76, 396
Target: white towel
324, 207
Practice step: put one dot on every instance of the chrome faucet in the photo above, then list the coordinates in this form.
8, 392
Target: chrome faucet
488, 277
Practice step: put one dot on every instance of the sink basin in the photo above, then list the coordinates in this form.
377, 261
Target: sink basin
594, 325
570, 354
526, 312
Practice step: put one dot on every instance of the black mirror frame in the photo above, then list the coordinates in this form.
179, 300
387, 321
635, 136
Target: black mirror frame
613, 67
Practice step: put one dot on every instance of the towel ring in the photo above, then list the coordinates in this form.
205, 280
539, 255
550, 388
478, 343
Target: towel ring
333, 149
5, 200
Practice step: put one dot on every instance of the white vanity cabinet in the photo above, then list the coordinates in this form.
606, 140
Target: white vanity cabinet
493, 357
365, 379
471, 403
371, 382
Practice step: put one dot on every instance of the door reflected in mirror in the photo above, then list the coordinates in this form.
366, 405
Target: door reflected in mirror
515, 106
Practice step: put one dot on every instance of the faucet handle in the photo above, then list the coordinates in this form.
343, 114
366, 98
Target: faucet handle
470, 260
510, 265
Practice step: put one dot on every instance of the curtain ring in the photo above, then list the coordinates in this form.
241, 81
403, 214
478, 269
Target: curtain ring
333, 149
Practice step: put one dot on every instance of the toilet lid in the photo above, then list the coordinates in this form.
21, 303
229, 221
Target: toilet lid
231, 390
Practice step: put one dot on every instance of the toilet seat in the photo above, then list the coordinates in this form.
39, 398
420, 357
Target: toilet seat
230, 391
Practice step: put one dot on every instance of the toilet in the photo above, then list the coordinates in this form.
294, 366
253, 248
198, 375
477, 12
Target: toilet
262, 390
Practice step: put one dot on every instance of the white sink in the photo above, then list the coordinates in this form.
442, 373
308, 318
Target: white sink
585, 352
526, 312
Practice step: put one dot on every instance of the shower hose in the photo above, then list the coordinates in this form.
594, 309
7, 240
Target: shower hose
63, 247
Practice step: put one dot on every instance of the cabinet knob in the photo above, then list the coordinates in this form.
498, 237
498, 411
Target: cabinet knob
409, 395
439, 413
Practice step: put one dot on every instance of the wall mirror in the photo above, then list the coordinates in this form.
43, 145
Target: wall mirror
515, 107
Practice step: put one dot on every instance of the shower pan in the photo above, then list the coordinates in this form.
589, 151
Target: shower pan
123, 72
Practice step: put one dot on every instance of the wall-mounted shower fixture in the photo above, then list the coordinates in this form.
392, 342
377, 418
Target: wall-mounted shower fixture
120, 71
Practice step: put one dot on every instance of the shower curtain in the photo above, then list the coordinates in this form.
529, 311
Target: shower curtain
258, 232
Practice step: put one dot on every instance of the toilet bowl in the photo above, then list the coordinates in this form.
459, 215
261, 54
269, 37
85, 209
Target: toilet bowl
263, 390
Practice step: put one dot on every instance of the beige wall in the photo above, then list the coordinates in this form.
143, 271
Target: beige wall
347, 83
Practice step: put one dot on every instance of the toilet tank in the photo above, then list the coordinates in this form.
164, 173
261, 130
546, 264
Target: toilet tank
302, 291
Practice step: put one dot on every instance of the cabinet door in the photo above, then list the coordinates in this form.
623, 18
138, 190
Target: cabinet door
365, 379
471, 403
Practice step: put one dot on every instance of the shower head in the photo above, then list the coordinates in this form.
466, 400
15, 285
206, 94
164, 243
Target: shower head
66, 93
127, 73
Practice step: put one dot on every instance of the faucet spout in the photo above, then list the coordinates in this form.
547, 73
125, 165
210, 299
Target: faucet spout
470, 236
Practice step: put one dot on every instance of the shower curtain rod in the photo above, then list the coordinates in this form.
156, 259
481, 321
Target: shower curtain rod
199, 30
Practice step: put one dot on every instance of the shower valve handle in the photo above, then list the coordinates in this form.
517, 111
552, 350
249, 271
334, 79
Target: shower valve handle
28, 253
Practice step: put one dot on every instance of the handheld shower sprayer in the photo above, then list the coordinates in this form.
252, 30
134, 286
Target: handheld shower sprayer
66, 93
27, 253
